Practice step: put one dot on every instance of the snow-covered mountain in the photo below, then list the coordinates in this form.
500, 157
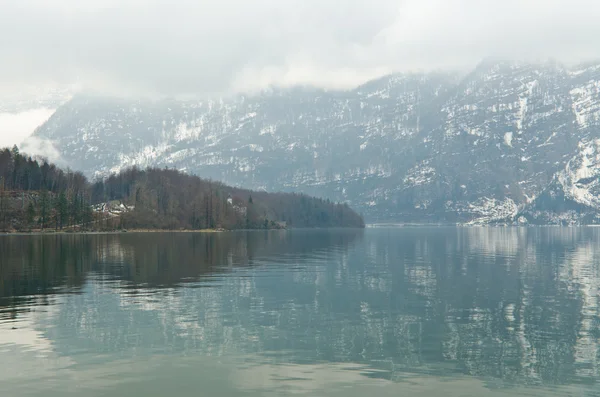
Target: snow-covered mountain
433, 147
573, 196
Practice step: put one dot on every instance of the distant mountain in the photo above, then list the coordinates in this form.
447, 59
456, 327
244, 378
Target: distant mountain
485, 147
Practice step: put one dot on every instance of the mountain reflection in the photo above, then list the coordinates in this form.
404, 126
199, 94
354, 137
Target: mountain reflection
514, 306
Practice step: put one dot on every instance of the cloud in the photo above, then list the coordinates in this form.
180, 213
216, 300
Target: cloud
177, 47
35, 146
16, 127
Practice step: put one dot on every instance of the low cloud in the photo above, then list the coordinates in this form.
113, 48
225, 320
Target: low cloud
207, 47
16, 127
35, 146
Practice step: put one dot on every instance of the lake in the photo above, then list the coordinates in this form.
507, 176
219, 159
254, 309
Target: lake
378, 312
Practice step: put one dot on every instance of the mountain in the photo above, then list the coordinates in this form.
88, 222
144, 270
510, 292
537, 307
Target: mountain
437, 147
573, 196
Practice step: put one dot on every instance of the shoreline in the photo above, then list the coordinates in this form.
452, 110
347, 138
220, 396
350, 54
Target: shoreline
66, 232
130, 231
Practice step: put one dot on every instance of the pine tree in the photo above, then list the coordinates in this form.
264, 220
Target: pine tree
30, 214
44, 204
61, 206
75, 209
87, 213
3, 203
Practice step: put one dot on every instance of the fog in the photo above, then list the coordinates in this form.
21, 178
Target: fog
210, 47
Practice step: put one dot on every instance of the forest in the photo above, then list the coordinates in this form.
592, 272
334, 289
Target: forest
38, 195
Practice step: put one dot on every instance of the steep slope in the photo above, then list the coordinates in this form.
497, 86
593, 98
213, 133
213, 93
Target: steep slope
342, 145
573, 197
422, 148
496, 142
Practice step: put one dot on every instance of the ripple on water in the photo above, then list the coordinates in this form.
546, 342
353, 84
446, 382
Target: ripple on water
419, 311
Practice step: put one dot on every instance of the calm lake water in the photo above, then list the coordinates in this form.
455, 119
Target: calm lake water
377, 312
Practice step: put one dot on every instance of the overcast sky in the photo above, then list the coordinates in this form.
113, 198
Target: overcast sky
173, 47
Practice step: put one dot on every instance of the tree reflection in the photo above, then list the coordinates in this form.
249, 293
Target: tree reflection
510, 305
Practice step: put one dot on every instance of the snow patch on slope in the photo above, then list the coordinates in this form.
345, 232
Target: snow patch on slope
523, 104
508, 139
580, 177
585, 103
183, 132
422, 174
143, 158
488, 209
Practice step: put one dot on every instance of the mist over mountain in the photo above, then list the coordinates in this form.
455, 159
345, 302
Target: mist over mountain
25, 108
498, 144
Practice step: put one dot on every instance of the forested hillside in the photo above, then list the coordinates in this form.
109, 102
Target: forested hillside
35, 194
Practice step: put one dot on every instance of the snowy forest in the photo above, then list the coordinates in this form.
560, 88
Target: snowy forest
38, 195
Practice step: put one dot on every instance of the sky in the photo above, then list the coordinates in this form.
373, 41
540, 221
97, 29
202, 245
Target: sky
185, 48
208, 47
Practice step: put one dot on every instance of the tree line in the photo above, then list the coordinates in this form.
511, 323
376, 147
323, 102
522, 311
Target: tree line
35, 194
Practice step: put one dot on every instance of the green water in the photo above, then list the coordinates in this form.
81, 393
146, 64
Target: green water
376, 312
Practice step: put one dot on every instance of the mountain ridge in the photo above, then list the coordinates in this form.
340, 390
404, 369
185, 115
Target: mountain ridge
429, 147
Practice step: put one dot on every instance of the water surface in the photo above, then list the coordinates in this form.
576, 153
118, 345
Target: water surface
381, 312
